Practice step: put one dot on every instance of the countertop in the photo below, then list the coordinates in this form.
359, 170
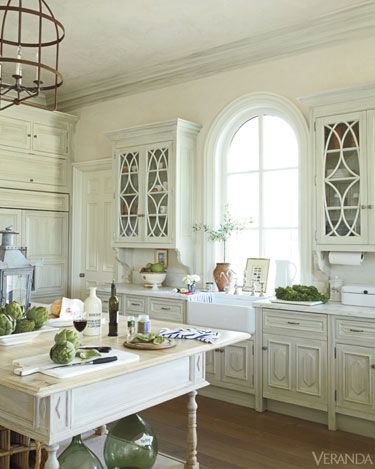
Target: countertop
43, 385
336, 309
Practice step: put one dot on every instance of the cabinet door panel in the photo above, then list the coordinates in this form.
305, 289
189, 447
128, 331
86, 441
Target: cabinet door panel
213, 368
11, 217
355, 378
311, 369
342, 185
14, 133
278, 364
50, 139
238, 365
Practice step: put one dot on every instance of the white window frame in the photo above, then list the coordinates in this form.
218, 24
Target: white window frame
217, 144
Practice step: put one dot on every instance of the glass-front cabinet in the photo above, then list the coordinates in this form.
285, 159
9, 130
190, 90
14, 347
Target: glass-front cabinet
143, 205
342, 180
154, 169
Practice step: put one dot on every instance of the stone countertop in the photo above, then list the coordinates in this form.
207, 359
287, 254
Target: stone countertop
336, 309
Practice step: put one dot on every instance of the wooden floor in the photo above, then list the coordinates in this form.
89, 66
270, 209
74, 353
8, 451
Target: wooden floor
232, 437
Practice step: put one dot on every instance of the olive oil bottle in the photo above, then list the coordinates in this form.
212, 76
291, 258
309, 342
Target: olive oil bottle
113, 307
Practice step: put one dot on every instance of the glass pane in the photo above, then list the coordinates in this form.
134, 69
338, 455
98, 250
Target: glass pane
244, 148
280, 148
16, 288
243, 196
240, 246
280, 197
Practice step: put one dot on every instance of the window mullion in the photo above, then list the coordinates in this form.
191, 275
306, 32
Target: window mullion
261, 241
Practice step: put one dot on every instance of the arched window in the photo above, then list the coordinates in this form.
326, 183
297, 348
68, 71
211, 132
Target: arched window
258, 147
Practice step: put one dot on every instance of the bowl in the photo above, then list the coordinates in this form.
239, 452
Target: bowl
153, 279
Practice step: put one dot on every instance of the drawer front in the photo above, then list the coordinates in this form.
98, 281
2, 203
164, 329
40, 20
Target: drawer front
167, 310
295, 323
135, 304
355, 330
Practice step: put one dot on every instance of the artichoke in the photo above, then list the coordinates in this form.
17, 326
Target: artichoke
67, 335
38, 314
14, 310
24, 325
62, 353
7, 324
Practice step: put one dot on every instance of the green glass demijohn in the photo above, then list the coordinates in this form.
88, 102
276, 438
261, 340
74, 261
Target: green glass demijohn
131, 444
78, 456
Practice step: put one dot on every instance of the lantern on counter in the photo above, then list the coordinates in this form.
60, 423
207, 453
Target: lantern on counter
16, 272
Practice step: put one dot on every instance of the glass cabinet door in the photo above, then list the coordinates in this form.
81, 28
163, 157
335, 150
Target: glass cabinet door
129, 195
157, 192
343, 181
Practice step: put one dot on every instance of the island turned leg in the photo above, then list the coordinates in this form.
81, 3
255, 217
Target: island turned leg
191, 456
52, 462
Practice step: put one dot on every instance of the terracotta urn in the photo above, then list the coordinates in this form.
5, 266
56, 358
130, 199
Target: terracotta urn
223, 275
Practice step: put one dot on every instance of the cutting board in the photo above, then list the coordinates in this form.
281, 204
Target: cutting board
303, 303
42, 364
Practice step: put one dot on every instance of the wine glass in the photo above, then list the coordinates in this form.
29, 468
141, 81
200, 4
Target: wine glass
79, 323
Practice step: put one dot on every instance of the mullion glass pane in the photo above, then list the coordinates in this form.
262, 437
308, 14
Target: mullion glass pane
241, 246
244, 149
243, 196
280, 147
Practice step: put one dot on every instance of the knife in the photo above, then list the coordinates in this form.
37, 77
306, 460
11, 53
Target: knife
99, 348
96, 361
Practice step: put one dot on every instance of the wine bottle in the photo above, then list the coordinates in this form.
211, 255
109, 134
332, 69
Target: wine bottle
113, 306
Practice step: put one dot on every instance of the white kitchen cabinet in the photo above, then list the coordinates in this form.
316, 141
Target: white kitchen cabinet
50, 139
154, 187
45, 235
295, 370
355, 380
232, 367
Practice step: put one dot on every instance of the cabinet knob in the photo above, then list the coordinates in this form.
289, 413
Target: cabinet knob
364, 207
165, 308
82, 275
35, 136
29, 135
31, 180
370, 206
373, 367
264, 347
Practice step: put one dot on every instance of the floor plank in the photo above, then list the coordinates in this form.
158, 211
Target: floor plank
234, 437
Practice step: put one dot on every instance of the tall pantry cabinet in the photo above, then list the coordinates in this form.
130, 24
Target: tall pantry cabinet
35, 167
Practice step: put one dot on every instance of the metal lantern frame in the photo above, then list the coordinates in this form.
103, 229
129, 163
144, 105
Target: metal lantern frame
18, 93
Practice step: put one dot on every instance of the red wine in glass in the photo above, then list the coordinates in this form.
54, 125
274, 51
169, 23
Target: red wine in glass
80, 324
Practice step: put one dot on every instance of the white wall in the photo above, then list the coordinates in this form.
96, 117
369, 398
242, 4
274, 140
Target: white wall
328, 68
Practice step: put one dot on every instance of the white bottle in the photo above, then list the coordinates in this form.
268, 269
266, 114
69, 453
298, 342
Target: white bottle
93, 313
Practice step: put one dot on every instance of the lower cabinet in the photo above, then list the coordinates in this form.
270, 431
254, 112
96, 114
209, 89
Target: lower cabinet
232, 367
295, 370
355, 380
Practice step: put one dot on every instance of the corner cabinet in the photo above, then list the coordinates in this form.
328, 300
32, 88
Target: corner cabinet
154, 185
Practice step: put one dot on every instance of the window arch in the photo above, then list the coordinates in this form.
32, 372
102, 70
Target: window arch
256, 161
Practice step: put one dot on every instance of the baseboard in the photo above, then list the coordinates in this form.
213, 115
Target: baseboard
228, 395
292, 410
350, 424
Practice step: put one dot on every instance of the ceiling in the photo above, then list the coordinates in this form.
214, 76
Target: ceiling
130, 45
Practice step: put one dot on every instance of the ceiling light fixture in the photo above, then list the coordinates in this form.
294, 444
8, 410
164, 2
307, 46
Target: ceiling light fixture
29, 41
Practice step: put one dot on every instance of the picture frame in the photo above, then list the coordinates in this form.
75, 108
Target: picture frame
256, 273
161, 256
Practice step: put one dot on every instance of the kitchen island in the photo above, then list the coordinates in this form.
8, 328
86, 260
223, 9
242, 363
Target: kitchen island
51, 410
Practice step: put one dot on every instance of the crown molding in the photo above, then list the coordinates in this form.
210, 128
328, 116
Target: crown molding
347, 24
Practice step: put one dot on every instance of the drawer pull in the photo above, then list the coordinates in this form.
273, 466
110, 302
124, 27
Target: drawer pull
293, 323
356, 330
135, 304
165, 308
264, 347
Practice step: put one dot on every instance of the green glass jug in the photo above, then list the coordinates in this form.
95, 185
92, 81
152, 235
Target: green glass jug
131, 444
78, 456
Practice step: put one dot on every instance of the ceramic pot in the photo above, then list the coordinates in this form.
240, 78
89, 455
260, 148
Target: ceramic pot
223, 275
131, 443
78, 456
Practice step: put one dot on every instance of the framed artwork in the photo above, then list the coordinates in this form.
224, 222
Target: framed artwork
256, 273
161, 256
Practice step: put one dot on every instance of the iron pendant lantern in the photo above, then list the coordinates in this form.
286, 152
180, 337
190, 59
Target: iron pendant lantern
30, 38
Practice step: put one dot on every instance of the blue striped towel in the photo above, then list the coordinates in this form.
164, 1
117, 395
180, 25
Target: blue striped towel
199, 334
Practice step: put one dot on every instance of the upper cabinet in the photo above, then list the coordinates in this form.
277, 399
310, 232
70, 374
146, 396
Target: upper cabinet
35, 149
343, 131
153, 167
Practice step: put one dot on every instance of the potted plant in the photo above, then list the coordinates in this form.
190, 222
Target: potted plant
222, 273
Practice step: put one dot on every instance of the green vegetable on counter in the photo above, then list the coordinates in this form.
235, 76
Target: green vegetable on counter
38, 314
24, 325
150, 338
300, 293
67, 335
7, 324
87, 354
14, 310
62, 354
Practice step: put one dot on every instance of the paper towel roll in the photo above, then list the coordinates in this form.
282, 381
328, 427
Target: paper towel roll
345, 258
